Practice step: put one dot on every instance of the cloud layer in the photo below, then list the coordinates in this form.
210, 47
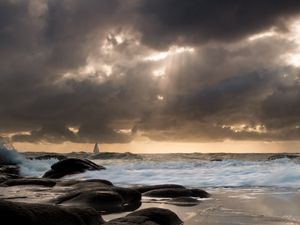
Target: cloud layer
110, 70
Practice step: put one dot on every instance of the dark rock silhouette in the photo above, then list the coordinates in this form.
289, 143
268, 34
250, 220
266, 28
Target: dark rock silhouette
37, 214
150, 216
71, 166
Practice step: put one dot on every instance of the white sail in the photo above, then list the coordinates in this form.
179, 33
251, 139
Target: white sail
96, 148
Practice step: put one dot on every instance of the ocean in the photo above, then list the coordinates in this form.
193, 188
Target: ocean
191, 170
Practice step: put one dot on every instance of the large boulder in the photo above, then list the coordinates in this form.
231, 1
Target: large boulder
105, 199
102, 201
37, 214
71, 166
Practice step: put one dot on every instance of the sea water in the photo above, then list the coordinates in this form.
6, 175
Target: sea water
196, 171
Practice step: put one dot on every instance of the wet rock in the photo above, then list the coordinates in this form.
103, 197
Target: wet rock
102, 201
184, 201
81, 185
199, 193
282, 156
169, 193
146, 188
71, 166
30, 181
216, 160
8, 172
150, 216
37, 214
50, 156
115, 155
131, 197
102, 197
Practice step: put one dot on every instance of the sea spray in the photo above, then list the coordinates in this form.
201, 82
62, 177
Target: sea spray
9, 156
28, 167
201, 173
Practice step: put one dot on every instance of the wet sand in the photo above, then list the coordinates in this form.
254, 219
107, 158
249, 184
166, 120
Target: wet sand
234, 206
227, 206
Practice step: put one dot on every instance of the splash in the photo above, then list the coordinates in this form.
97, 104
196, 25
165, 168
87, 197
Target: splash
28, 167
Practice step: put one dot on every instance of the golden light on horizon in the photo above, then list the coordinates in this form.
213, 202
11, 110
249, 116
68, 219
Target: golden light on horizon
152, 147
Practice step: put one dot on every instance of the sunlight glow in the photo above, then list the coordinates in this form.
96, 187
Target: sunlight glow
160, 97
172, 51
293, 58
160, 72
261, 35
246, 128
107, 69
75, 130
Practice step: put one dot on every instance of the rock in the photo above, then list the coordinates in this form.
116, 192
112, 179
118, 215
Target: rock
8, 172
143, 189
132, 198
71, 166
37, 214
216, 160
150, 216
102, 198
102, 201
107, 182
199, 193
85, 184
184, 201
169, 193
281, 156
30, 181
115, 155
50, 156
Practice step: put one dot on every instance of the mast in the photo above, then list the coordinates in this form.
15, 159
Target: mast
96, 149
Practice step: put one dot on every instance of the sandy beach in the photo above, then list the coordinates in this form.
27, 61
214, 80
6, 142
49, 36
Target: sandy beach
235, 206
226, 206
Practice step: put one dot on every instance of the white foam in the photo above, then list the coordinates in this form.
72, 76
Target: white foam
35, 168
279, 173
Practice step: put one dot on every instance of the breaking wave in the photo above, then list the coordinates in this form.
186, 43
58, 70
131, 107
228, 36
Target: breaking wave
227, 173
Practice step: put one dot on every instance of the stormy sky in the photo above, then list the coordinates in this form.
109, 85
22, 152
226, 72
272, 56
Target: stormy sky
111, 71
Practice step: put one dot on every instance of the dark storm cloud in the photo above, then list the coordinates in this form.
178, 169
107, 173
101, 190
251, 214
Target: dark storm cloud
196, 21
47, 87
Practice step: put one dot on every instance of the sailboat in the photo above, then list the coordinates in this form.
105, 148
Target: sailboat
96, 149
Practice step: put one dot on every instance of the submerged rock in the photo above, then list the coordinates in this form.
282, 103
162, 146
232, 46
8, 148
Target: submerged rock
71, 166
